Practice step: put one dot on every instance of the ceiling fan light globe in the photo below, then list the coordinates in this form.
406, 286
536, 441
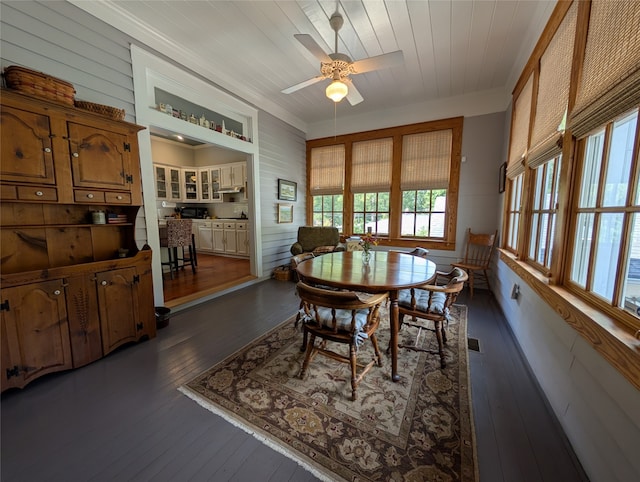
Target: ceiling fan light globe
336, 91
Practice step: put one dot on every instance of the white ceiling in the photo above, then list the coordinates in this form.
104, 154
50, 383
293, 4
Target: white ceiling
451, 48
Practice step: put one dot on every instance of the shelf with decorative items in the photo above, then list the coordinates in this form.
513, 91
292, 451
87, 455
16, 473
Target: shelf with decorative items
187, 111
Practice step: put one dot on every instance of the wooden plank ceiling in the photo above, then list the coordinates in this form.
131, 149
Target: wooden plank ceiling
451, 48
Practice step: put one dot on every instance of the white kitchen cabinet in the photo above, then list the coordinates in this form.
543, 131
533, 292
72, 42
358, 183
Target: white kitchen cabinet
232, 175
230, 242
190, 180
168, 182
216, 196
204, 236
242, 239
218, 236
204, 184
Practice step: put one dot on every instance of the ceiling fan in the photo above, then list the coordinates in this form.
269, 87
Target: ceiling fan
339, 67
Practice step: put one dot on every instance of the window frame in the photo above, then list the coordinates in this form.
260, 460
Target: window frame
612, 308
394, 238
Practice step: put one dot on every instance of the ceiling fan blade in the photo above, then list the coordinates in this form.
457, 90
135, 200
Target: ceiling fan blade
307, 41
354, 97
302, 85
383, 61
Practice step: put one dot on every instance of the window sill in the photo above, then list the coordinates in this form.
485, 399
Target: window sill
608, 336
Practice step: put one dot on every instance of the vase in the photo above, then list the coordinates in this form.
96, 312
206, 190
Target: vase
366, 257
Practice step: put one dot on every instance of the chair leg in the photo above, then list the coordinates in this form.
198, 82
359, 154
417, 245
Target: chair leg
376, 349
173, 251
471, 283
354, 370
307, 357
193, 247
192, 259
438, 330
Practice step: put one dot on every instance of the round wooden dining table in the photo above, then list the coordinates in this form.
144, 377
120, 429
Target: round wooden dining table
387, 271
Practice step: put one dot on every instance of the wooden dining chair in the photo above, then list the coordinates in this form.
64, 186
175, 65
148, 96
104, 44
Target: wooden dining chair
344, 317
477, 257
431, 303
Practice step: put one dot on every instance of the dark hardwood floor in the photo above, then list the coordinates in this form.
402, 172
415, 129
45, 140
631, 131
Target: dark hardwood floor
122, 418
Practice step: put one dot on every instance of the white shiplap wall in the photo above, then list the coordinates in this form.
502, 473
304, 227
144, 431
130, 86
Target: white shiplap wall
282, 156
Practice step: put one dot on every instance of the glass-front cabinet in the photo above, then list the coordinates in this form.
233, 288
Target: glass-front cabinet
190, 184
205, 185
167, 183
215, 185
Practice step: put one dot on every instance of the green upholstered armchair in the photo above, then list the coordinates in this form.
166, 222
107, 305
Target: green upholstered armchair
317, 240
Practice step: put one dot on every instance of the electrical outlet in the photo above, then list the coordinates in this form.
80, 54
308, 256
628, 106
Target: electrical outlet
515, 291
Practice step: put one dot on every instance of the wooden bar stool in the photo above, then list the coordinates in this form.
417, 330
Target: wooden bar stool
180, 235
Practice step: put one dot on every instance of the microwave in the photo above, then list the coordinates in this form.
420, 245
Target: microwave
189, 212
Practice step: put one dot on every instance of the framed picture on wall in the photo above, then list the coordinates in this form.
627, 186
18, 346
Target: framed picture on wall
285, 213
287, 190
502, 177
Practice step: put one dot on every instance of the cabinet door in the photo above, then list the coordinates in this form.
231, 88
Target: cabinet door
205, 237
99, 158
175, 183
204, 185
162, 182
230, 242
25, 143
35, 332
242, 241
215, 185
237, 174
118, 307
190, 179
226, 177
218, 238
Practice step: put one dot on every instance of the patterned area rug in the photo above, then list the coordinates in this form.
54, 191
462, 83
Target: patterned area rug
418, 429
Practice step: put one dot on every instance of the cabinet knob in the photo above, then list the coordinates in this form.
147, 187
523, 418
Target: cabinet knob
47, 149
56, 292
103, 282
39, 193
119, 198
90, 196
75, 154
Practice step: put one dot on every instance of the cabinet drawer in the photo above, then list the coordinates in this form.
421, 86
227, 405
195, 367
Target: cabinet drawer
218, 225
229, 225
118, 197
241, 225
8, 193
37, 193
84, 196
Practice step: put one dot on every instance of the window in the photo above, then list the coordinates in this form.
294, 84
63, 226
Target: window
544, 209
605, 255
401, 182
326, 181
424, 182
327, 211
513, 212
370, 175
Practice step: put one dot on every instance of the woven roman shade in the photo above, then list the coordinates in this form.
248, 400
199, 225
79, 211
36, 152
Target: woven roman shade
371, 165
426, 160
326, 175
553, 91
610, 82
520, 130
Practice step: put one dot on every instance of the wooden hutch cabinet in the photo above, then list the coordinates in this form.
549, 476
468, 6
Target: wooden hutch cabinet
67, 298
